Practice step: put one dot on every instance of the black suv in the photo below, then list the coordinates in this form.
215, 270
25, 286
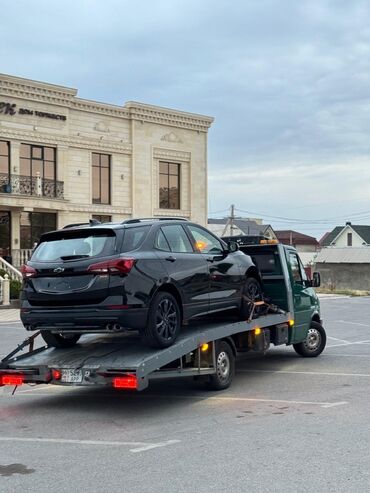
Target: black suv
150, 275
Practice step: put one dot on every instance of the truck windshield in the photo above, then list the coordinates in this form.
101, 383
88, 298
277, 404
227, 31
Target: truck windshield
73, 246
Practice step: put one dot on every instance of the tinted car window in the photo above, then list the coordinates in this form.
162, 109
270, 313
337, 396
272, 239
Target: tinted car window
177, 239
134, 237
161, 242
69, 245
205, 242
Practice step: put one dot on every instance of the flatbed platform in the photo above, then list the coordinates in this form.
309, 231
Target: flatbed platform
98, 360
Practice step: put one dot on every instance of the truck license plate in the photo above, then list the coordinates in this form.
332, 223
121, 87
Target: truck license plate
71, 376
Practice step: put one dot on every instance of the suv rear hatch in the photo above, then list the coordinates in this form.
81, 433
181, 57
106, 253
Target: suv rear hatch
58, 272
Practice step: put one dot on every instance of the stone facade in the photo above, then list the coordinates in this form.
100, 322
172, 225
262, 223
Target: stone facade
136, 136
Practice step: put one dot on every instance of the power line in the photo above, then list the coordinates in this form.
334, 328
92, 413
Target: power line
308, 221
218, 212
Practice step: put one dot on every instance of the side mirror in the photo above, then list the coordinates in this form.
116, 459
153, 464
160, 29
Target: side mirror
316, 279
232, 246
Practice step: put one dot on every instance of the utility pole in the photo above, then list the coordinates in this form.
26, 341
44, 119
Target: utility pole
230, 222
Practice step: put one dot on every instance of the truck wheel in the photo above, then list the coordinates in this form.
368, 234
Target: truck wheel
225, 367
314, 343
59, 340
252, 291
164, 321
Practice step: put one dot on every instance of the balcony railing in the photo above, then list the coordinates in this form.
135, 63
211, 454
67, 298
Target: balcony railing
35, 185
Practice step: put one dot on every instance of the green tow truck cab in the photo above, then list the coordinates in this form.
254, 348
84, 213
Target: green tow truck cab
286, 285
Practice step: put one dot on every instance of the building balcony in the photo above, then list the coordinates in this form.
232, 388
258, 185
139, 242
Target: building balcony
31, 186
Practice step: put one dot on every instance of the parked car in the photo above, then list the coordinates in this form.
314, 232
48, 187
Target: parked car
147, 275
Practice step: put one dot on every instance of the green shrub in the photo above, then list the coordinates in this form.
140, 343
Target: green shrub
15, 288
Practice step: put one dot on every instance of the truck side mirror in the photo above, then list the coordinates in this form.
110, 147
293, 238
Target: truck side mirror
232, 246
316, 279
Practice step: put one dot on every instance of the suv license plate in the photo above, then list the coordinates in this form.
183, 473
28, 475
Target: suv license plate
71, 376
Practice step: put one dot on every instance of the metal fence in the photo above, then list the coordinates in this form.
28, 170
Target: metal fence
35, 185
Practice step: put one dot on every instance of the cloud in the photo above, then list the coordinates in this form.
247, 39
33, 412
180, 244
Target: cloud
287, 82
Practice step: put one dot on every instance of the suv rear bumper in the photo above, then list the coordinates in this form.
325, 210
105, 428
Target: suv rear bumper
84, 319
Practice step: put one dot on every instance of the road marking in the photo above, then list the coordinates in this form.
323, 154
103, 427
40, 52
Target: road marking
334, 374
348, 355
348, 344
154, 445
352, 323
336, 339
334, 404
46, 387
284, 401
137, 446
206, 398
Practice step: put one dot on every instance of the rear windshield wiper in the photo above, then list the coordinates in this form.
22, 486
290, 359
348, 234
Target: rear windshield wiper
70, 257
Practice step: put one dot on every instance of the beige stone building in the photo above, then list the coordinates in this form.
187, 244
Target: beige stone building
64, 159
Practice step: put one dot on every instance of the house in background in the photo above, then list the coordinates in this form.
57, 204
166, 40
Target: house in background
300, 241
344, 261
240, 226
349, 235
344, 268
306, 245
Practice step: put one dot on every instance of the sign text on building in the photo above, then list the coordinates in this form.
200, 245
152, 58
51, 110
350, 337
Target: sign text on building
11, 109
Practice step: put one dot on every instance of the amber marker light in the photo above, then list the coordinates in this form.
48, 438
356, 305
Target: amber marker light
257, 331
201, 245
204, 347
291, 323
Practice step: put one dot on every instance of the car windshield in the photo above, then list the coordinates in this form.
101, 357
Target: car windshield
75, 246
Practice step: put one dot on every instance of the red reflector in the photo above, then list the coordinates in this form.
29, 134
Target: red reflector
127, 382
11, 379
28, 271
116, 266
57, 374
117, 307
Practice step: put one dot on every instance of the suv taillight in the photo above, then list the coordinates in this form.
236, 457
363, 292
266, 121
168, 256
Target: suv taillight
116, 266
28, 271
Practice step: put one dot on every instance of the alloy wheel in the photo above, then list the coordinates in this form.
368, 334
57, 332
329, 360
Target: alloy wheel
166, 319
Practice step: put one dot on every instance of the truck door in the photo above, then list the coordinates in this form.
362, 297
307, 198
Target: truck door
301, 297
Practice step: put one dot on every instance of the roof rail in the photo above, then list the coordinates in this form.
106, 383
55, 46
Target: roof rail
143, 219
92, 222
74, 225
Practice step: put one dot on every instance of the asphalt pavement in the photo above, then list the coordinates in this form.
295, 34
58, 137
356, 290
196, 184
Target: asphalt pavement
287, 424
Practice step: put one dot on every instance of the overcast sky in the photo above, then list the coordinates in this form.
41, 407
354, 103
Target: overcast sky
288, 83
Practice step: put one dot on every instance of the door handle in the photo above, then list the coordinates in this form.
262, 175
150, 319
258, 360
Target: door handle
171, 259
210, 259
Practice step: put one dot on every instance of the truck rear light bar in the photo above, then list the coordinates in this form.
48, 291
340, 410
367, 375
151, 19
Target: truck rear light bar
11, 379
125, 382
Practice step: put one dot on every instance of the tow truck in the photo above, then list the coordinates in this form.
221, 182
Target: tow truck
288, 315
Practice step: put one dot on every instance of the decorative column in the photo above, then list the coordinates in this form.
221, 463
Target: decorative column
14, 166
62, 168
15, 235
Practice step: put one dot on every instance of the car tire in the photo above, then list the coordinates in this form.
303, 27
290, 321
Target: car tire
225, 367
164, 321
60, 340
314, 343
252, 291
